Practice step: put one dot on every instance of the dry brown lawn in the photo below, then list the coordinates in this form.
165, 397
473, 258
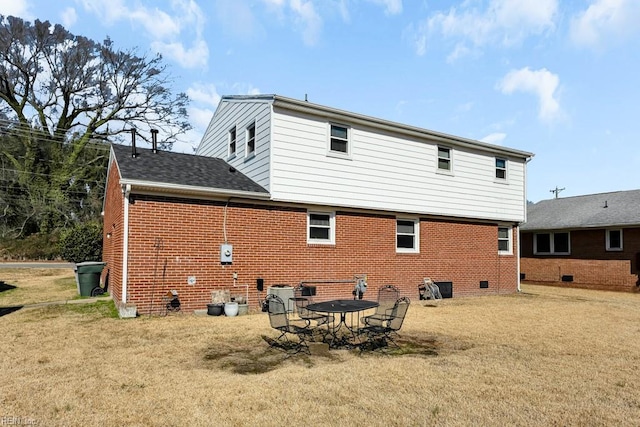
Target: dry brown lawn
546, 356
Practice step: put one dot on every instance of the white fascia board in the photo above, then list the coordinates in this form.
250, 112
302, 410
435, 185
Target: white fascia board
191, 189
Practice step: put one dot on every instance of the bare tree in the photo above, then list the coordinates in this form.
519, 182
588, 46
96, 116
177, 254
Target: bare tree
62, 96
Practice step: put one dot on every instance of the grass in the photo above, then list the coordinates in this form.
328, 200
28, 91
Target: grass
546, 356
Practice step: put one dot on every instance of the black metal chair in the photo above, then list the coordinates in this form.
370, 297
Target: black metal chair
279, 320
387, 297
302, 298
380, 335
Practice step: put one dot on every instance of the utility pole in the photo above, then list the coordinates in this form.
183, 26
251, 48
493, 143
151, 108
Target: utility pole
557, 190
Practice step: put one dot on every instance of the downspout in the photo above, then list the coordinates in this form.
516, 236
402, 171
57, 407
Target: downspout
518, 256
125, 242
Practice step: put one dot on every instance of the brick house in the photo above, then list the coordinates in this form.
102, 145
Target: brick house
283, 191
590, 241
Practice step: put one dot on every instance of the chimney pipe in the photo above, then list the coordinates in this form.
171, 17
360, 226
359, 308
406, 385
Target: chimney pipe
134, 154
154, 140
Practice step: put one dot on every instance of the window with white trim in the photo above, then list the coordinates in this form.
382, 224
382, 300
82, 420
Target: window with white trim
407, 235
501, 169
232, 142
444, 159
321, 227
558, 243
614, 240
339, 139
504, 240
251, 139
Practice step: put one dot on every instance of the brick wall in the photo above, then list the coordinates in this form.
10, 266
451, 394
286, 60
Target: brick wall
590, 264
172, 239
113, 226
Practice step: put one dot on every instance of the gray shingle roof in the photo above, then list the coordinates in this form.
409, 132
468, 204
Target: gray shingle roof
622, 209
167, 167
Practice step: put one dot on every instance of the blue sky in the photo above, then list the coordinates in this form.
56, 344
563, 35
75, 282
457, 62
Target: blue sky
557, 78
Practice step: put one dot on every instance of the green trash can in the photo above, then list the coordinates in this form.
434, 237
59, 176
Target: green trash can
88, 276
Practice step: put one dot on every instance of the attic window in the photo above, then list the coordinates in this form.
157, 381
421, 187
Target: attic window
232, 142
251, 139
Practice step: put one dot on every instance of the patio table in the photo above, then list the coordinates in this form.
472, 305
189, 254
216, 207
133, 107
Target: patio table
342, 306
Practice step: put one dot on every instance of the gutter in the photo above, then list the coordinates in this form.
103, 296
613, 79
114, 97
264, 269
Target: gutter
156, 187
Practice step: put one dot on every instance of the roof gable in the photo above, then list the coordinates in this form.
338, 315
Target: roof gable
620, 208
170, 170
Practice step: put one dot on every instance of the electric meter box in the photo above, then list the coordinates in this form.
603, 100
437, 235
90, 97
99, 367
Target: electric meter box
226, 254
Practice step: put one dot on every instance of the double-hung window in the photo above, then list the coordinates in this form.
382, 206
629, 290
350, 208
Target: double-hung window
232, 142
408, 235
339, 140
557, 243
444, 159
504, 241
501, 169
251, 139
321, 227
614, 240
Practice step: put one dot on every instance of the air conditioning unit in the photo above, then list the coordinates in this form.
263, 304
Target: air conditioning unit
285, 293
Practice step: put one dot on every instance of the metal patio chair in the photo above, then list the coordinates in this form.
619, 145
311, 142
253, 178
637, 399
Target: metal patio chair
380, 335
387, 297
279, 320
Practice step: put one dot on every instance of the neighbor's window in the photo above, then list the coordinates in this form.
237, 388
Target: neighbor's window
444, 158
251, 139
339, 140
407, 235
321, 227
232, 142
551, 244
501, 168
504, 240
614, 240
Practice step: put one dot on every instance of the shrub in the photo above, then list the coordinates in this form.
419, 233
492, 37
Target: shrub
81, 243
38, 246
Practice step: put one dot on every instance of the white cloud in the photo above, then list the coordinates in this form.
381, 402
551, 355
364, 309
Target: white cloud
308, 20
494, 138
18, 8
69, 17
165, 28
392, 7
502, 22
605, 20
541, 83
204, 94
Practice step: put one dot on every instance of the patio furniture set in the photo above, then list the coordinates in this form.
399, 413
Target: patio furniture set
341, 323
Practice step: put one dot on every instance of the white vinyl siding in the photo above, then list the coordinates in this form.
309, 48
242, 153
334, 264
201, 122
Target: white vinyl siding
241, 115
387, 172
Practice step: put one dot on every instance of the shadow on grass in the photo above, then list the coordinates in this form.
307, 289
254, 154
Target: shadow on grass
248, 358
8, 310
5, 286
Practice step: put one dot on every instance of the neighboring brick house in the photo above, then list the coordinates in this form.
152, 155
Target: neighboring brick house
301, 192
588, 241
